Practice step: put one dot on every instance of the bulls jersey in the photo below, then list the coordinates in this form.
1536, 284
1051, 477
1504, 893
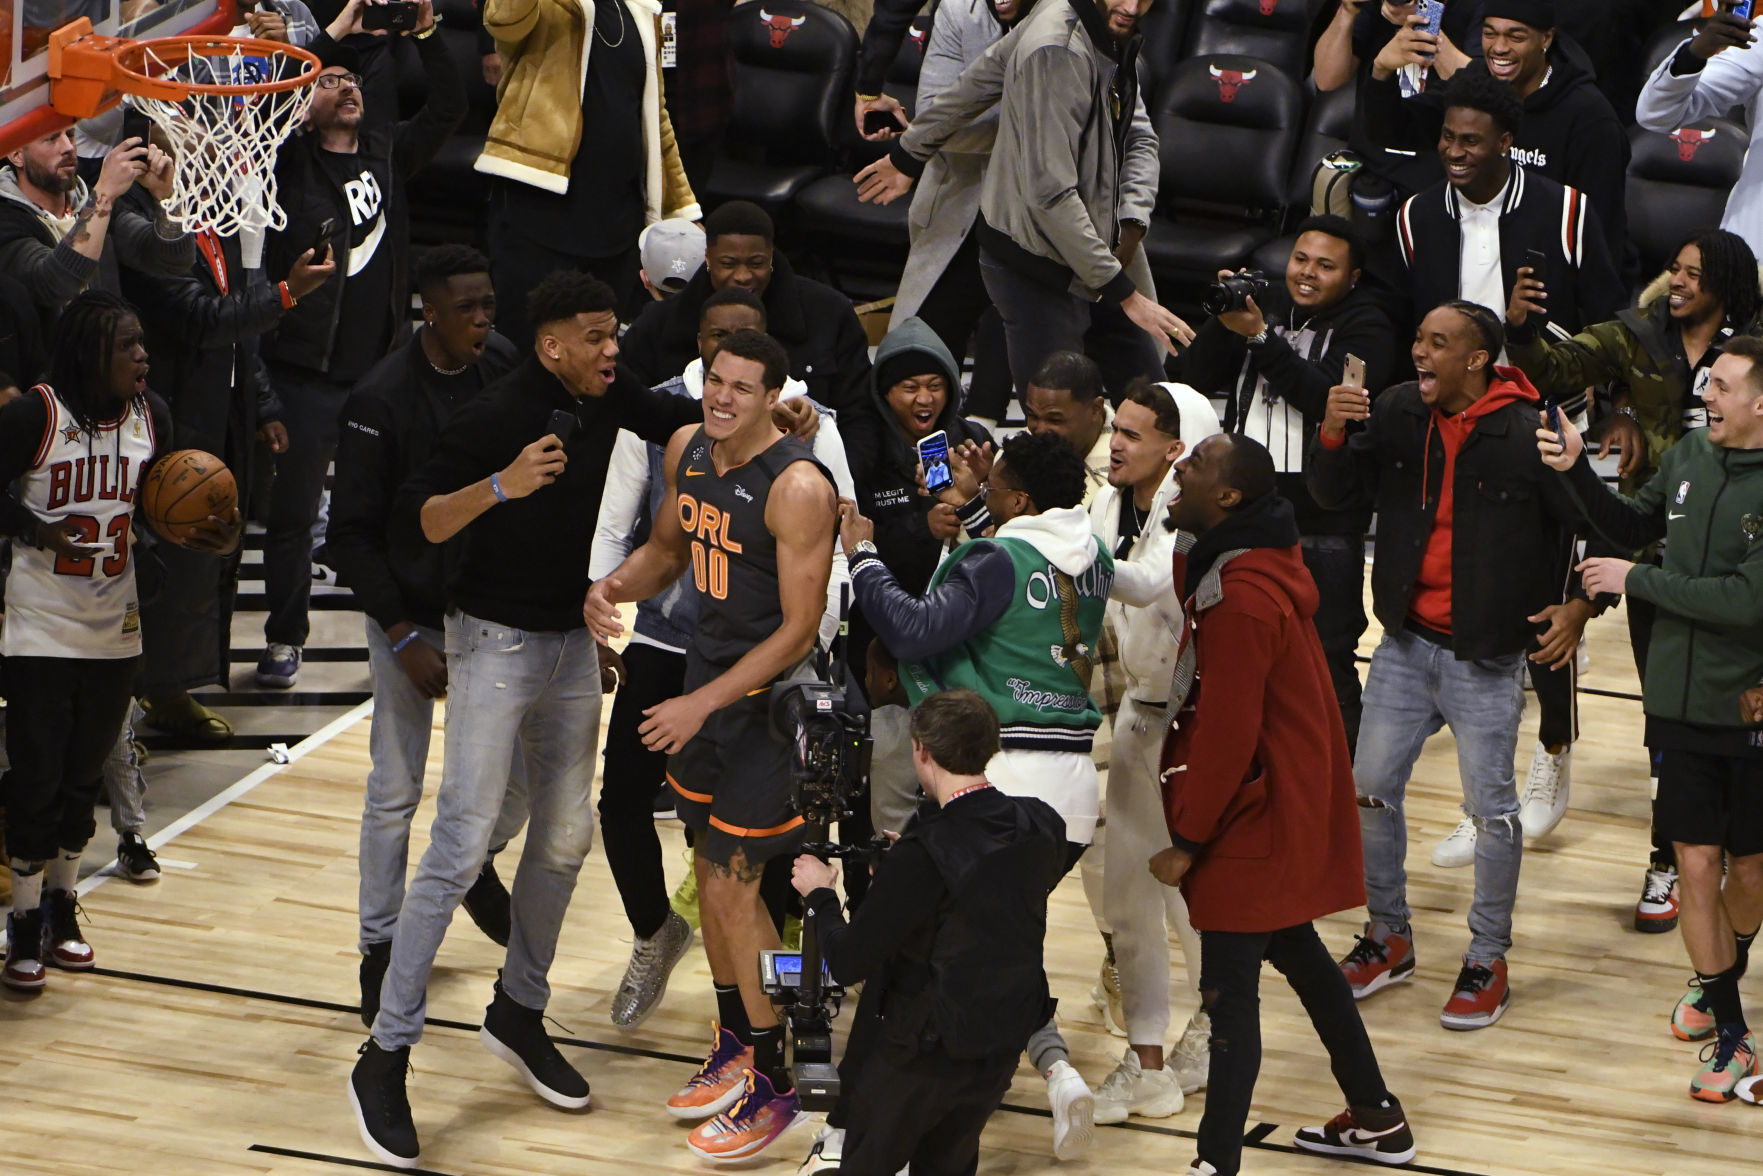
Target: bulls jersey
734, 555
80, 608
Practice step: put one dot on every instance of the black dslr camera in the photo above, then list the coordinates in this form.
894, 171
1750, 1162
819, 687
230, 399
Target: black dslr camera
830, 763
1233, 292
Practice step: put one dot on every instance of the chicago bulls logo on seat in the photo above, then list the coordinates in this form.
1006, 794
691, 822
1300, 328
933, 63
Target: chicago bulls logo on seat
1689, 140
780, 27
1230, 80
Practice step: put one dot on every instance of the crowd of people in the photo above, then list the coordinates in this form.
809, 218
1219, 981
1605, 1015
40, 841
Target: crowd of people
625, 398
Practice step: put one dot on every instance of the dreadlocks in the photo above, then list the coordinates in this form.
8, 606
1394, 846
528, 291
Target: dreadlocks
81, 350
1729, 272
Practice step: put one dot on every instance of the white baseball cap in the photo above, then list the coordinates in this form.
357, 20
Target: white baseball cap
672, 252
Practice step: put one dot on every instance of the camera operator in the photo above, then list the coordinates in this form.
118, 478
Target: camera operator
948, 945
1272, 357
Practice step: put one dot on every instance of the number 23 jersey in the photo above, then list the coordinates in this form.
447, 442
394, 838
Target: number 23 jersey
57, 606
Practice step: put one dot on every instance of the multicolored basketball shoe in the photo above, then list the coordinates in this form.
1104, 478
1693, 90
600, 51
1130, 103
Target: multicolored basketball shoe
753, 1124
718, 1082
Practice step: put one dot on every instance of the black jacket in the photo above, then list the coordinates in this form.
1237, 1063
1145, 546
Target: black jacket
1537, 213
1508, 518
1570, 134
307, 335
1222, 365
526, 560
388, 429
24, 352
829, 350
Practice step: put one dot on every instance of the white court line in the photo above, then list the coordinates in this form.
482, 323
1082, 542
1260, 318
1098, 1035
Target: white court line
220, 800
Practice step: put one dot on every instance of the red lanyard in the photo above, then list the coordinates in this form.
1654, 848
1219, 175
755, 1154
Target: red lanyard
208, 241
959, 793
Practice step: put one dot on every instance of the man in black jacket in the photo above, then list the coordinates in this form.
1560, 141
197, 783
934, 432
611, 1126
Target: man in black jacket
955, 922
829, 350
389, 429
1467, 532
1570, 133
353, 180
1274, 368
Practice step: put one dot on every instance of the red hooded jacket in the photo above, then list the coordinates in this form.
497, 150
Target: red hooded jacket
1257, 781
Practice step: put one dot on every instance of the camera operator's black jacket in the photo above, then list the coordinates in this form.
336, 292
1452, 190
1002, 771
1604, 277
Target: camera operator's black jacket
1221, 364
950, 935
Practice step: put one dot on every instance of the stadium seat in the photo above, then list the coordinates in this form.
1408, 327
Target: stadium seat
1276, 31
1326, 130
793, 66
1678, 183
1664, 43
1165, 28
1228, 127
863, 246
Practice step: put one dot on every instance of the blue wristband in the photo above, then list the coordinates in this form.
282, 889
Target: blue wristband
496, 488
405, 640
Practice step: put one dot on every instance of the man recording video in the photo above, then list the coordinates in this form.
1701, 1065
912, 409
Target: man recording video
948, 944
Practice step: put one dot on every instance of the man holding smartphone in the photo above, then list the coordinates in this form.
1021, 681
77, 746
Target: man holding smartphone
1273, 366
1710, 73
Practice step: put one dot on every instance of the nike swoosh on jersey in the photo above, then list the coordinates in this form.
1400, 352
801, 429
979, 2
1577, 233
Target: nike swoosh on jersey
695, 473
1674, 517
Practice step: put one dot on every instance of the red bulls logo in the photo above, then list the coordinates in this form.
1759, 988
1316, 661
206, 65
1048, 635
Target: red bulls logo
1689, 140
780, 27
1229, 80
1267, 7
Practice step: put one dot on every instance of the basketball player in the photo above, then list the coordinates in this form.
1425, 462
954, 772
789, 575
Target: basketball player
76, 447
753, 517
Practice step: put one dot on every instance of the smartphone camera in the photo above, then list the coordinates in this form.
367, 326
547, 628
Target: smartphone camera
394, 16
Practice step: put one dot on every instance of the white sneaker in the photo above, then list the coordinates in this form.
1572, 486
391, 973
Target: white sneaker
1544, 801
1202, 1168
1133, 1090
1074, 1111
827, 1152
1458, 848
1193, 1053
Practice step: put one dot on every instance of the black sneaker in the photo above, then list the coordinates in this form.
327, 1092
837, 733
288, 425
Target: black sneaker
382, 1108
24, 970
1379, 1134
487, 903
516, 1034
373, 972
134, 860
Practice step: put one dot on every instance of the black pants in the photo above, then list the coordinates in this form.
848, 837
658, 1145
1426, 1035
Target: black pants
1337, 564
310, 406
62, 718
631, 777
1557, 701
1641, 615
958, 309
928, 1112
1230, 982
518, 263
1039, 320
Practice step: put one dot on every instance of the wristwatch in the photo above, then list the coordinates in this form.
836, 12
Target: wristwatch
1259, 338
1628, 411
863, 547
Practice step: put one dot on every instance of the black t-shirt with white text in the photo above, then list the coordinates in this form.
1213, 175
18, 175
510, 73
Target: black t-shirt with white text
364, 259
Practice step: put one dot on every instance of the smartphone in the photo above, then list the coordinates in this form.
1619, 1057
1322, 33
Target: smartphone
1538, 261
394, 16
135, 124
933, 455
880, 120
1739, 8
1555, 423
562, 425
1353, 375
1432, 13
321, 241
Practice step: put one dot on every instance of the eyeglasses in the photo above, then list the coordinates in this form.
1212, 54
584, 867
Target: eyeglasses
332, 81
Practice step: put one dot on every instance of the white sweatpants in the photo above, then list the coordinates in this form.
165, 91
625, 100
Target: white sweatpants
1140, 909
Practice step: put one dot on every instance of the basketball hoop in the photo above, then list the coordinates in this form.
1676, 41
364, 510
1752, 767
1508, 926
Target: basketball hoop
225, 103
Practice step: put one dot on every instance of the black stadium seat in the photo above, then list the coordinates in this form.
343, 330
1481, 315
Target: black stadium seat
1326, 131
1228, 128
1276, 31
1678, 183
793, 65
1165, 28
863, 246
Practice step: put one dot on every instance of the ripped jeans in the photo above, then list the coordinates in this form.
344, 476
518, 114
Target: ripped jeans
1413, 689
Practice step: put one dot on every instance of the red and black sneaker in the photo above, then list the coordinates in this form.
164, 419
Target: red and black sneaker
63, 945
1379, 1134
1479, 997
1378, 963
24, 971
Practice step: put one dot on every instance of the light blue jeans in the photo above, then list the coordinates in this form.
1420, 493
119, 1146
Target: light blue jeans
507, 689
1412, 690
398, 744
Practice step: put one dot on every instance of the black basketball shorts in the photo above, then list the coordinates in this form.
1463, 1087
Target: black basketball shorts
731, 785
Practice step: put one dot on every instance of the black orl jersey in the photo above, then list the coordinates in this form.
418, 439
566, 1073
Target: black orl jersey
734, 556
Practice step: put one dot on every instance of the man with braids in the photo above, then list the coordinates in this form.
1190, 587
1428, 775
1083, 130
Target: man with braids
1468, 527
1658, 359
77, 447
1017, 617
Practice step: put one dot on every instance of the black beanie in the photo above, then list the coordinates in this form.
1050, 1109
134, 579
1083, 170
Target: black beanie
1538, 14
906, 365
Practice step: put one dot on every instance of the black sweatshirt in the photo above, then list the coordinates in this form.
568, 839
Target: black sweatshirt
526, 560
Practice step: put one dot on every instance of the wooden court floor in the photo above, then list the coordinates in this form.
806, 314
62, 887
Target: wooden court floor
217, 1035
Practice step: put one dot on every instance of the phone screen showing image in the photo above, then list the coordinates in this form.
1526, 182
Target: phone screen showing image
933, 454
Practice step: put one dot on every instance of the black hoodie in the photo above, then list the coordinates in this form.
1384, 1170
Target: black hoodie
1269, 522
1570, 134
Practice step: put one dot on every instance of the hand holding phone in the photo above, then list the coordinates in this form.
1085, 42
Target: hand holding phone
1353, 372
321, 241
1555, 423
876, 122
562, 425
933, 455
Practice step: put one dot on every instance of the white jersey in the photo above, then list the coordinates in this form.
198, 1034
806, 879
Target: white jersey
80, 608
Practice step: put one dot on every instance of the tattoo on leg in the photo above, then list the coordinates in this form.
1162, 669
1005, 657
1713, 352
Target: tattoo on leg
745, 872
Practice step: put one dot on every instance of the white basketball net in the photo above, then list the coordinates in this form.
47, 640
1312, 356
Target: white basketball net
226, 144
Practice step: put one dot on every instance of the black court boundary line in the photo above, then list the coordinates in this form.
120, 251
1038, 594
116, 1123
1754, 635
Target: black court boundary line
1624, 695
1256, 1138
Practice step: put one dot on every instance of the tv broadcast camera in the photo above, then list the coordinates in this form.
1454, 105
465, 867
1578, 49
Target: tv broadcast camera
828, 768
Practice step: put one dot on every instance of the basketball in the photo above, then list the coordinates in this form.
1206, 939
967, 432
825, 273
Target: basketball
184, 488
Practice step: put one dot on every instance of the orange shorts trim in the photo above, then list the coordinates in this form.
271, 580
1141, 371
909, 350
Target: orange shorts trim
737, 831
699, 797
